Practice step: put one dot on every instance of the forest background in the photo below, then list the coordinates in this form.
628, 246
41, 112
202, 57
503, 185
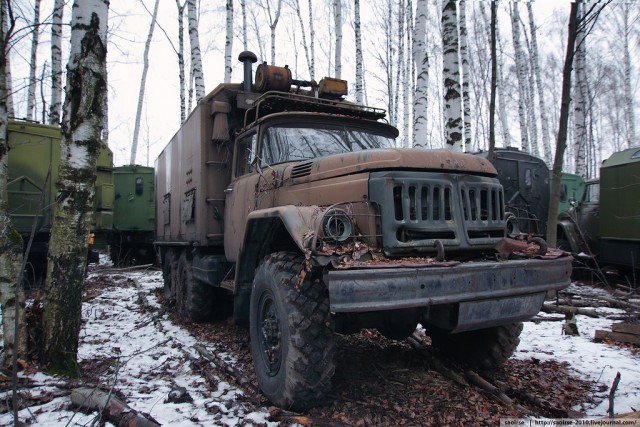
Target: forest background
306, 38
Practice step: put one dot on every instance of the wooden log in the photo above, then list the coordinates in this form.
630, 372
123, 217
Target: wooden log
601, 335
115, 410
626, 328
564, 309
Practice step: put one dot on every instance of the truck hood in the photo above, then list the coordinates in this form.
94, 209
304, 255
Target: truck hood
389, 159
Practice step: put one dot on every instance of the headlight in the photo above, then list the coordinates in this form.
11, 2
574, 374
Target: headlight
337, 225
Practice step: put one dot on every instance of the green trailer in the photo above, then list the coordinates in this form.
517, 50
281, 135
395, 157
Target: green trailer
131, 238
571, 189
34, 161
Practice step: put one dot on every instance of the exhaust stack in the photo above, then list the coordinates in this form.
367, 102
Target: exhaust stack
247, 58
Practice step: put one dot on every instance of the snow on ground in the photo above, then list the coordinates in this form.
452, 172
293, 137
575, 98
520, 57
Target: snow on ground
140, 345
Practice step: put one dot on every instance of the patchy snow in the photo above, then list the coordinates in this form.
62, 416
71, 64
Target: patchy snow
136, 345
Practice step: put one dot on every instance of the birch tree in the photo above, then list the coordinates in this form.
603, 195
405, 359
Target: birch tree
421, 60
521, 76
7, 28
400, 68
273, 16
493, 25
627, 71
11, 295
337, 17
196, 58
33, 63
143, 84
56, 63
80, 147
464, 56
308, 49
243, 7
180, 54
228, 44
535, 63
359, 60
580, 99
451, 73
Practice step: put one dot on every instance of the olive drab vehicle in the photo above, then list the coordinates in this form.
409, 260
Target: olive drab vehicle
34, 161
297, 208
605, 222
131, 237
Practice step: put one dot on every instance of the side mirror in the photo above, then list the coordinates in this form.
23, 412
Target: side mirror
573, 202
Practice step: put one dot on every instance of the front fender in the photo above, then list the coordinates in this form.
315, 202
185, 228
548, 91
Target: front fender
569, 231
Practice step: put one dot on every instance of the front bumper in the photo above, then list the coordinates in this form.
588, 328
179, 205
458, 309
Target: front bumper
378, 289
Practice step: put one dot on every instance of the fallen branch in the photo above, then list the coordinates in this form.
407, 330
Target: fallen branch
485, 385
304, 420
612, 393
113, 408
417, 342
117, 269
564, 309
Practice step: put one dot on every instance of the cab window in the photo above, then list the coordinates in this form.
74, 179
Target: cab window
246, 151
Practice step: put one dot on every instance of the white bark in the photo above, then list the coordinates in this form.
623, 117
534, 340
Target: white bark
243, 6
502, 98
337, 19
451, 72
143, 83
80, 147
466, 76
522, 76
628, 91
196, 58
400, 65
273, 16
312, 36
421, 60
407, 76
359, 60
535, 61
183, 101
56, 63
7, 66
228, 44
33, 63
305, 46
580, 99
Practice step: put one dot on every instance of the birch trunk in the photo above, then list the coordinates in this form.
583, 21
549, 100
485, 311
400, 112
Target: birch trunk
272, 19
502, 98
400, 68
522, 76
7, 28
359, 61
11, 296
407, 75
421, 60
494, 78
312, 36
628, 91
33, 63
56, 63
80, 146
243, 6
580, 100
535, 62
451, 72
143, 83
305, 46
563, 126
183, 100
196, 58
530, 102
228, 44
337, 17
466, 76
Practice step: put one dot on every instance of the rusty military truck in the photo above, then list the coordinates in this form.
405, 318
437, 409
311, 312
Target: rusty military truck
279, 200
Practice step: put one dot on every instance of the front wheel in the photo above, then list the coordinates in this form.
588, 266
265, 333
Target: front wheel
291, 333
484, 348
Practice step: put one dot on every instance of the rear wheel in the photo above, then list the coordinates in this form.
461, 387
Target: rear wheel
169, 274
485, 348
194, 299
291, 333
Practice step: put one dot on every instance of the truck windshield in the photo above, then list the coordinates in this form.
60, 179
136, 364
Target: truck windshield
285, 144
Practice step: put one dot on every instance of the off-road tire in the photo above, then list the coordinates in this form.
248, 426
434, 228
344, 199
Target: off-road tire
485, 348
194, 299
291, 330
169, 275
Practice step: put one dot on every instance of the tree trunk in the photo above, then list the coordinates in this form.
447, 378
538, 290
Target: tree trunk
580, 101
421, 59
408, 75
305, 46
143, 83
56, 63
466, 75
196, 58
451, 72
561, 142
359, 61
535, 62
80, 146
400, 68
312, 36
628, 91
228, 44
33, 63
183, 100
494, 79
337, 19
522, 76
11, 296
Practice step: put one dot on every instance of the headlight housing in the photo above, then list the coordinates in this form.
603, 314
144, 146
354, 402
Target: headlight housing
337, 226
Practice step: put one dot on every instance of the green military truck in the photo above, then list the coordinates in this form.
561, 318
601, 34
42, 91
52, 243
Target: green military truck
34, 161
297, 209
605, 222
131, 237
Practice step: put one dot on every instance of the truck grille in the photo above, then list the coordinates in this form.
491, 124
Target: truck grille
462, 211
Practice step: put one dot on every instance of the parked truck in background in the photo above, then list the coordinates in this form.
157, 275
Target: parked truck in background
33, 164
297, 209
605, 222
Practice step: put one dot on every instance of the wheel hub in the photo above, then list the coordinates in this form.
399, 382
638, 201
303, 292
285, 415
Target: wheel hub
270, 336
